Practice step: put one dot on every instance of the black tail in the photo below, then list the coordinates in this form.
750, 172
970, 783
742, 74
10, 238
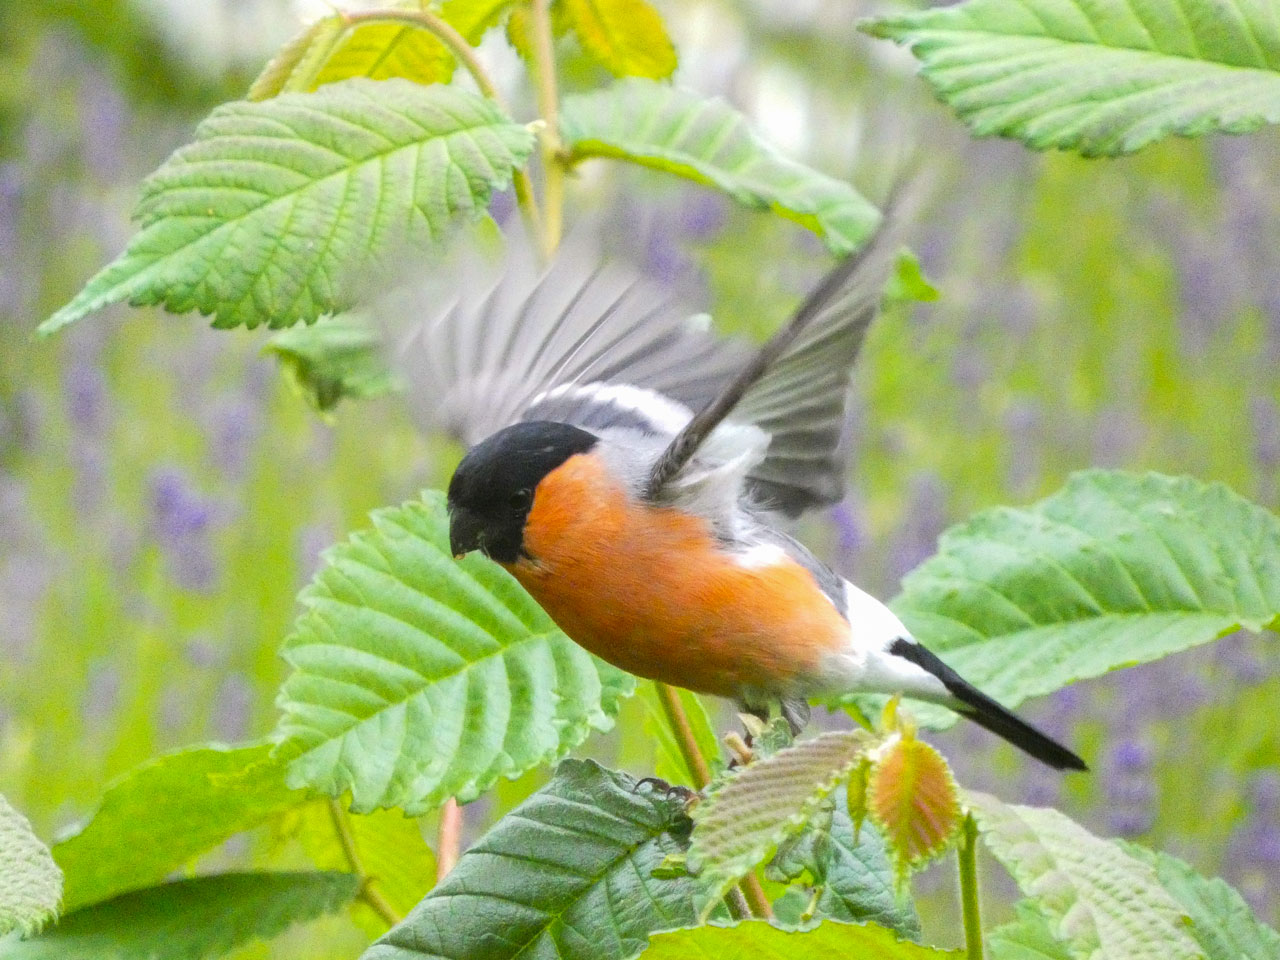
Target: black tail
972, 703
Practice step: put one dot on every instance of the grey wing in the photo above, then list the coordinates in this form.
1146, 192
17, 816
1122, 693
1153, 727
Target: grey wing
802, 403
795, 388
584, 342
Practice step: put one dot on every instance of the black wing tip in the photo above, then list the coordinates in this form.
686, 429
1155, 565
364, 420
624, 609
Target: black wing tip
973, 704
1025, 737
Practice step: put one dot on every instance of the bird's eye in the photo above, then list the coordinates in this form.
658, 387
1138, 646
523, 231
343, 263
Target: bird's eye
521, 498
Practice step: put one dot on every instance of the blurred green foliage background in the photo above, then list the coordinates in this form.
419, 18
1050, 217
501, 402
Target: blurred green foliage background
164, 493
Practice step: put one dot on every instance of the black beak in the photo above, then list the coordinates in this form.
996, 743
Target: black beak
465, 531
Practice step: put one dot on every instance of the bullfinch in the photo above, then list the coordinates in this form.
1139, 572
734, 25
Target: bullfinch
637, 475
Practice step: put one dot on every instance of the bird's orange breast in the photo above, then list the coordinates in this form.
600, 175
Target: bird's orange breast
652, 591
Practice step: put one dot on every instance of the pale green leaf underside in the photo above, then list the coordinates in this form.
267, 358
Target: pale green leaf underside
333, 359
1104, 77
161, 815
1113, 570
30, 882
566, 875
418, 678
740, 824
759, 940
1221, 921
189, 919
1027, 938
709, 142
1096, 898
279, 210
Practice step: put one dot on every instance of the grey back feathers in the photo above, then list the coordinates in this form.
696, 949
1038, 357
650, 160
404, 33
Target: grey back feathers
500, 340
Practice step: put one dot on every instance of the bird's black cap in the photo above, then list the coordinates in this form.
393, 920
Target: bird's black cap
492, 489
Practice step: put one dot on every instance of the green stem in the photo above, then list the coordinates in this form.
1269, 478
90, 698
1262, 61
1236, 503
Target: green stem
544, 71
466, 55
967, 856
369, 893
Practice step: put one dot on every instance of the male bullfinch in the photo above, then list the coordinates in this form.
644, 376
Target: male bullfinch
635, 473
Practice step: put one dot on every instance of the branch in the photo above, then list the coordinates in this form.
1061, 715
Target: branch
752, 894
449, 839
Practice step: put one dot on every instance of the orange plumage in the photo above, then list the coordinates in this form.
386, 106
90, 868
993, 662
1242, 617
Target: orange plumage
649, 589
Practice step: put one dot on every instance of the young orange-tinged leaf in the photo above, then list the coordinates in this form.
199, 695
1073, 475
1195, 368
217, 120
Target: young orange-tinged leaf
912, 798
627, 37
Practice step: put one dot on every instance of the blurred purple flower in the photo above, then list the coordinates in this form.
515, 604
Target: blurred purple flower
924, 519
1130, 756
182, 521
1264, 413
85, 390
850, 535
102, 694
1116, 438
178, 510
313, 540
232, 707
234, 431
104, 125
1024, 424
703, 214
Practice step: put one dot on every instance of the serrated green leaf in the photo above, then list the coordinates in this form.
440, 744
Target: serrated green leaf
418, 678
159, 816
567, 874
850, 869
709, 142
30, 882
740, 824
189, 919
670, 763
283, 210
1221, 922
626, 37
1116, 569
299, 60
332, 359
1103, 78
474, 18
1027, 938
390, 847
1096, 898
759, 940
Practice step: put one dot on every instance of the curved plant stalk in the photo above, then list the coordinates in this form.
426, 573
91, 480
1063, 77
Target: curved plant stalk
544, 71
369, 892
